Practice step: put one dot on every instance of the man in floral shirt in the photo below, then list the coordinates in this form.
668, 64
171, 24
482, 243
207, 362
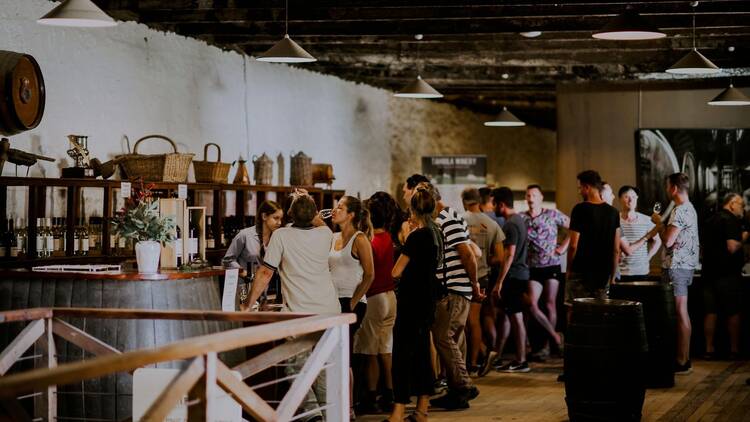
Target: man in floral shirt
679, 259
544, 261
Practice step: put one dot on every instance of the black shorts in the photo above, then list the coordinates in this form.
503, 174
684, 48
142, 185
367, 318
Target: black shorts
542, 274
722, 295
511, 295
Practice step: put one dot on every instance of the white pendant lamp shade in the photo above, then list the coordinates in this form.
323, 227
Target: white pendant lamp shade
629, 26
694, 63
505, 119
730, 97
286, 51
418, 89
78, 13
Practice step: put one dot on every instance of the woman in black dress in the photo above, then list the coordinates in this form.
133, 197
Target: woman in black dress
417, 290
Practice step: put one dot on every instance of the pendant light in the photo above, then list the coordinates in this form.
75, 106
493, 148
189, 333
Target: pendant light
418, 88
505, 119
730, 97
77, 13
286, 50
629, 26
694, 63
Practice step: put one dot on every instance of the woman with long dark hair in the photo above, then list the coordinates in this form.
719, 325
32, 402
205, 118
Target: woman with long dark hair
250, 243
374, 339
417, 293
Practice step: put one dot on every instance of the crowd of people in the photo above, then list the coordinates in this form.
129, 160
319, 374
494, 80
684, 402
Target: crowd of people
438, 292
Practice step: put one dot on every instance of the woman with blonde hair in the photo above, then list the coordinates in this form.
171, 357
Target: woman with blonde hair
421, 255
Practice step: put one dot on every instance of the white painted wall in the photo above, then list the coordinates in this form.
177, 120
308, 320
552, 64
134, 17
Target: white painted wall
131, 80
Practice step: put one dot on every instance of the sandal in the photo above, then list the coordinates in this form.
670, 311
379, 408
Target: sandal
413, 416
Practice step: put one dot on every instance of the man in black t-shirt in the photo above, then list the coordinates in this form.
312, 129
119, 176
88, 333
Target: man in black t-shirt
722, 271
594, 242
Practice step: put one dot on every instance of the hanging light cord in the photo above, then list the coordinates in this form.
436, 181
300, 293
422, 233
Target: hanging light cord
286, 18
694, 29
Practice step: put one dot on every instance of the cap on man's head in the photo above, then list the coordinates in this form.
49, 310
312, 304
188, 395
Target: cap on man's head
470, 196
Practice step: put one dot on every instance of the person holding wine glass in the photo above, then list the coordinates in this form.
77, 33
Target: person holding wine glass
351, 263
679, 259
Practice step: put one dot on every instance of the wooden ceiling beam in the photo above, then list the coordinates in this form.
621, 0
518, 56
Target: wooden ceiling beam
438, 26
216, 10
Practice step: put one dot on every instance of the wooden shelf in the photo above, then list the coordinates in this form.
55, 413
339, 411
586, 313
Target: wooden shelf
99, 183
38, 196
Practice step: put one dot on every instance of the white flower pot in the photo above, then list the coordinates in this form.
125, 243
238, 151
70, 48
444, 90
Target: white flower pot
147, 256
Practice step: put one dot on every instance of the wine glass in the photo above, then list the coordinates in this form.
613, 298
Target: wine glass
326, 213
657, 208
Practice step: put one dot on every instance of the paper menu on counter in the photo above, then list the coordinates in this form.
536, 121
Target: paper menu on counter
231, 279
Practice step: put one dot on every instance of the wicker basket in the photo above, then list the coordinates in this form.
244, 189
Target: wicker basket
172, 167
209, 171
300, 172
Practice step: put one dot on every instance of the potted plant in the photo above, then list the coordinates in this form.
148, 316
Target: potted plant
139, 220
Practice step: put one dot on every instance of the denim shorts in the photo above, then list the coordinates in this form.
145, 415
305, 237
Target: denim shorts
679, 278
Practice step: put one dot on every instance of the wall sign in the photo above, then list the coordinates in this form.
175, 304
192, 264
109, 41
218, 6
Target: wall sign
455, 169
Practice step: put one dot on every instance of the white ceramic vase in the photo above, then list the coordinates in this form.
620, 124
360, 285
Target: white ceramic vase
147, 256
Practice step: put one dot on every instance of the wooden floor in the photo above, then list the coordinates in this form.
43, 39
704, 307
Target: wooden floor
715, 391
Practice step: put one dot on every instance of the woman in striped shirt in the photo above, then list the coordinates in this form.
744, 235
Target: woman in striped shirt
638, 242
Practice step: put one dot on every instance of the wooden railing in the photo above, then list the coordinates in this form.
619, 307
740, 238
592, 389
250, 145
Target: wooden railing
204, 371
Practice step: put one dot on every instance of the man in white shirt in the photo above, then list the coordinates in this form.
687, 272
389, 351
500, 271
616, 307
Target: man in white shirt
300, 254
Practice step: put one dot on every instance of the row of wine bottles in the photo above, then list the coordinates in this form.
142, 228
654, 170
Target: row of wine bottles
51, 237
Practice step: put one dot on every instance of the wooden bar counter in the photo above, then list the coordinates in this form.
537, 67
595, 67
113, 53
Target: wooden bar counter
109, 397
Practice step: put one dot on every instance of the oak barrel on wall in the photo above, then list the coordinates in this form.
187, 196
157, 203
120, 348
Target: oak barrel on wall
110, 397
660, 317
22, 93
605, 353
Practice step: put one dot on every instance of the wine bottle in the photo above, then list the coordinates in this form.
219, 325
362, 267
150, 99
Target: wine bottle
178, 246
49, 237
193, 244
40, 241
210, 241
12, 241
84, 237
3, 239
21, 238
76, 240
57, 234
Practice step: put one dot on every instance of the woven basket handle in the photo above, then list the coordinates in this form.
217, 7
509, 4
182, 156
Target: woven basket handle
218, 152
135, 147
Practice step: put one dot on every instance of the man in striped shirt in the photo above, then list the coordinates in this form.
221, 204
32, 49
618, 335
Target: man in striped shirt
458, 275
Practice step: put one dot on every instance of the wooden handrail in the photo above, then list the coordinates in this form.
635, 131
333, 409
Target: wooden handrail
34, 380
25, 315
112, 313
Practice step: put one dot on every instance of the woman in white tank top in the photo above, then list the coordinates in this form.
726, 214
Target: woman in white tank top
351, 262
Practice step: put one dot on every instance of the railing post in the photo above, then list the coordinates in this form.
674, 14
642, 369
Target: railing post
337, 378
204, 391
45, 406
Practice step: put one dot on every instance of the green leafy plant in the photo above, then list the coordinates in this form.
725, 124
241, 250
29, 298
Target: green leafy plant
139, 219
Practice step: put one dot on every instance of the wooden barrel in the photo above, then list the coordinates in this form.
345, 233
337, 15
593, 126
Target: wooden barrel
661, 322
110, 397
605, 354
22, 93
323, 173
